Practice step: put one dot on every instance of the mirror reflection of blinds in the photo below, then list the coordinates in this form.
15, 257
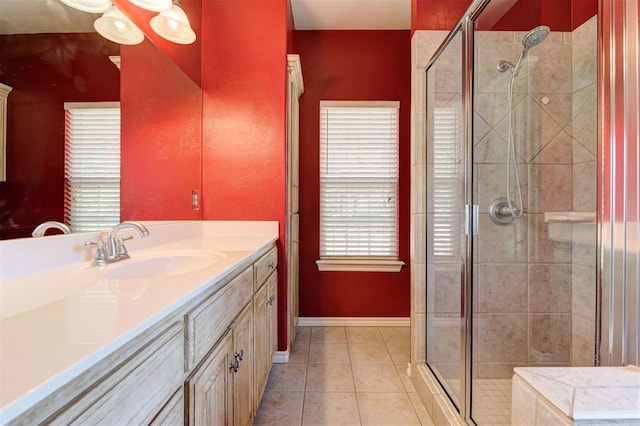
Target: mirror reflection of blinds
447, 169
92, 165
359, 179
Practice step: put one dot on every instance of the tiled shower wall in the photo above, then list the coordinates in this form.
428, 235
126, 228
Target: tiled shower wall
523, 279
535, 296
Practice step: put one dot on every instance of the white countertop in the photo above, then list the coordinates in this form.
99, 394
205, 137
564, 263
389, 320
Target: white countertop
59, 318
588, 393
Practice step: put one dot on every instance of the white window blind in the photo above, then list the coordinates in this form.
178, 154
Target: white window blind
359, 179
92, 165
447, 175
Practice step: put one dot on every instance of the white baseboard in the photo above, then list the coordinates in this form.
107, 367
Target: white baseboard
281, 357
354, 322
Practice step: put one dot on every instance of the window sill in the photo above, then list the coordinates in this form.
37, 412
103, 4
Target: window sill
359, 264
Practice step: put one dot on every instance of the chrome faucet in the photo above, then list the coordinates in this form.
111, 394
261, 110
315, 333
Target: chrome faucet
45, 226
115, 249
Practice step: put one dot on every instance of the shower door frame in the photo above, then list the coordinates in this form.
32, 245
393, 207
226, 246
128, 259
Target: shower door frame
466, 28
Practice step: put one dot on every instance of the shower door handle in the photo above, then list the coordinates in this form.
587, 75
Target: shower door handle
471, 219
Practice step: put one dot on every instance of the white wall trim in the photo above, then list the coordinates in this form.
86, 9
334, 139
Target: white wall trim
354, 322
281, 357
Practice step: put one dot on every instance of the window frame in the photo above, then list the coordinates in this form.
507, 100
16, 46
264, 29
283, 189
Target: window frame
369, 263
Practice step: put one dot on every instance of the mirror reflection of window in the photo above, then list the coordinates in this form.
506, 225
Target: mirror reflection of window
92, 165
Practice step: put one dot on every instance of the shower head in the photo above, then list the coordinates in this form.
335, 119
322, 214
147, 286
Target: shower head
530, 39
535, 36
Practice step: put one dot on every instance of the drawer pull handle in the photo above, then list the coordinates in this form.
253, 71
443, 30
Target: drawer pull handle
271, 265
239, 355
235, 366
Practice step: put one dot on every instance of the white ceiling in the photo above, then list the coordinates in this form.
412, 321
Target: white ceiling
42, 16
52, 16
351, 14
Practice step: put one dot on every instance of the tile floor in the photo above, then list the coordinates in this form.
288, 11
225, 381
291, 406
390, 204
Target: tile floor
344, 376
492, 402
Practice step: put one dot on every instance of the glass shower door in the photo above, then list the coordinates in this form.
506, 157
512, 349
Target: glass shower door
446, 253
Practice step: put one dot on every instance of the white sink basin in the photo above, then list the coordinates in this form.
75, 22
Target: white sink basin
151, 265
162, 265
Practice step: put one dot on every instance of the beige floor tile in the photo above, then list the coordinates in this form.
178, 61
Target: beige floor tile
377, 378
396, 334
328, 353
387, 409
300, 352
287, 377
328, 335
329, 378
375, 352
280, 409
405, 379
330, 409
346, 376
421, 410
303, 334
363, 334
399, 351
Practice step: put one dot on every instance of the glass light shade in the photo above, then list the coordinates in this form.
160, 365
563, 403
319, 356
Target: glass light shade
174, 26
115, 26
90, 6
153, 5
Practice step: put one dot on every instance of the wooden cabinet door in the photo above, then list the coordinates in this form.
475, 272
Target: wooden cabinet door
243, 402
210, 390
272, 320
260, 341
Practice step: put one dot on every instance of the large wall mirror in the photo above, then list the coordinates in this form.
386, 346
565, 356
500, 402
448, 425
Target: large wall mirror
50, 54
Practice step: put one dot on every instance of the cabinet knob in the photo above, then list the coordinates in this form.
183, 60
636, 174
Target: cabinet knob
239, 355
235, 366
271, 265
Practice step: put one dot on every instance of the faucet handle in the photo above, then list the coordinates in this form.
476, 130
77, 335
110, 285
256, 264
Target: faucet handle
100, 258
122, 250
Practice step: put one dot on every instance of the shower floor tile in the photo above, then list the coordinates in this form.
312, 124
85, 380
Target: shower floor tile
492, 401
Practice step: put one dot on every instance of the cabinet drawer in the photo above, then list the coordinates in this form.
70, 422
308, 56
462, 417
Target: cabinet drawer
206, 324
136, 390
265, 266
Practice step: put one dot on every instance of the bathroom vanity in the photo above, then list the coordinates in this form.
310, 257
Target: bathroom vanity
184, 331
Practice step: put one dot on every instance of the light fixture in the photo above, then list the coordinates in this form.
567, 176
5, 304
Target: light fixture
173, 25
115, 26
90, 6
153, 5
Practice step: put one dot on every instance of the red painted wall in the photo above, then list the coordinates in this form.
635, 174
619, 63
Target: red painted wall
559, 15
582, 11
45, 71
161, 136
244, 46
437, 14
187, 56
351, 65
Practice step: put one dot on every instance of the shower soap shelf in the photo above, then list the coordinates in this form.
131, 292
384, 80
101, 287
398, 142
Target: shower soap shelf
570, 217
575, 227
